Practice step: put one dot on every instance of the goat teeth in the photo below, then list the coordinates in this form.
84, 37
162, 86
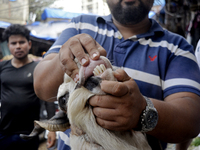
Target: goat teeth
99, 69
103, 67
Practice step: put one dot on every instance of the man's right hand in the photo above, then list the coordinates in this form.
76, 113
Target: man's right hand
77, 47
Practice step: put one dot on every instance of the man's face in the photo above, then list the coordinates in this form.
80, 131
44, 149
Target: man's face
19, 46
129, 12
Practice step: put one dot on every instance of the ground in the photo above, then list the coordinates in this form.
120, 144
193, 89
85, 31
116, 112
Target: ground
43, 146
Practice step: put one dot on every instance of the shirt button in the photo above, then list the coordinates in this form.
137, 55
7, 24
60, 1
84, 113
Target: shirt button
119, 37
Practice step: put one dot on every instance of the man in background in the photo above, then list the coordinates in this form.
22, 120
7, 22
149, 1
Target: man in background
19, 104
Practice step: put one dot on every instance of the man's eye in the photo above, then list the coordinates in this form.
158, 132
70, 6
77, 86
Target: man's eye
22, 42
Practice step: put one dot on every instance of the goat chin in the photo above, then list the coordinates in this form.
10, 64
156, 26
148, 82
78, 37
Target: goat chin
86, 134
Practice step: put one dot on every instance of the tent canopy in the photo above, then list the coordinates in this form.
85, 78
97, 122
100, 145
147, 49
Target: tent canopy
4, 24
58, 13
47, 30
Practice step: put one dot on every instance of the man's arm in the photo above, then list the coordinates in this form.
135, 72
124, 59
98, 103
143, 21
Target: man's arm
51, 139
184, 145
48, 75
178, 117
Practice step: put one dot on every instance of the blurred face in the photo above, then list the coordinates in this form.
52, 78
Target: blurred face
129, 12
19, 46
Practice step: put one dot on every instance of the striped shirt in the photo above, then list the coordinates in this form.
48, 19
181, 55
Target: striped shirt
161, 62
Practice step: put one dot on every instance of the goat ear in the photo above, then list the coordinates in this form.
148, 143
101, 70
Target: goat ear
66, 87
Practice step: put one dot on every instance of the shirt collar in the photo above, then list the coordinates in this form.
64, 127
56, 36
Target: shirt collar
104, 18
155, 29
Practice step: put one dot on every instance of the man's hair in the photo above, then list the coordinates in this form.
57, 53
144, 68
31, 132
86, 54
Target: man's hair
16, 29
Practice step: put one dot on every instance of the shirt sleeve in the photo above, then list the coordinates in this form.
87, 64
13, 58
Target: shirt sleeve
70, 31
182, 72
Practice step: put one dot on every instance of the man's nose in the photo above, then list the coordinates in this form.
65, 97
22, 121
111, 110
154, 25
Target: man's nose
18, 45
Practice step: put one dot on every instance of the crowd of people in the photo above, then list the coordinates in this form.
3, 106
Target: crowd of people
160, 78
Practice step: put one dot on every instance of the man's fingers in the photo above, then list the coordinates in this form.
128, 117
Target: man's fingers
79, 47
67, 63
120, 88
92, 47
104, 101
109, 118
121, 75
76, 47
104, 113
110, 125
101, 50
114, 88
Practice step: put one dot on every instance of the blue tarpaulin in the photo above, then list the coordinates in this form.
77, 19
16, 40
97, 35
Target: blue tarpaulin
48, 38
58, 13
47, 30
4, 24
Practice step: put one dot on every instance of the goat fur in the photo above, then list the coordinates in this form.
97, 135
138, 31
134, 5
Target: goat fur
86, 134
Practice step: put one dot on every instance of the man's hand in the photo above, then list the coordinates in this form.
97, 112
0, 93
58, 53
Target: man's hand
121, 108
78, 46
51, 139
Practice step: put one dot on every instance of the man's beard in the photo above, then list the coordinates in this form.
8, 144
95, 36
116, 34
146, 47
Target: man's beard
129, 15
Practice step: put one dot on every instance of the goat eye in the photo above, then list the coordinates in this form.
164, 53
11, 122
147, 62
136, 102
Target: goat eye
62, 101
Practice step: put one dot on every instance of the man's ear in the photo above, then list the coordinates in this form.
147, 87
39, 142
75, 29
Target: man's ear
30, 44
7, 43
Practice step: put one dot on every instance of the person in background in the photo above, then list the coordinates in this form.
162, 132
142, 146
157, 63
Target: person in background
20, 106
160, 76
197, 53
195, 30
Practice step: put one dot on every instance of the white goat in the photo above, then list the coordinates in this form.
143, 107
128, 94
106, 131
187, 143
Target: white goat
86, 134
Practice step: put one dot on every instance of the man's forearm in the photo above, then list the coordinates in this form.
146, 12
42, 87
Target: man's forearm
48, 75
176, 116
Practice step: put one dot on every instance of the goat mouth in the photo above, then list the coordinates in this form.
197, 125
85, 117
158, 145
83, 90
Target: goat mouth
95, 68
